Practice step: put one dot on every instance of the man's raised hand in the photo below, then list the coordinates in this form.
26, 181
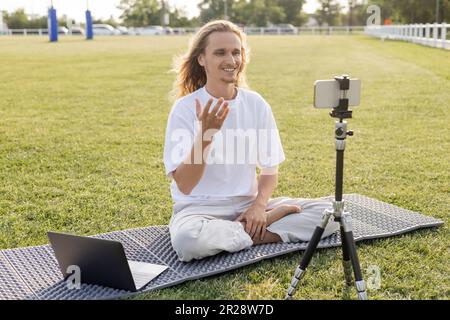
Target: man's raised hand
213, 119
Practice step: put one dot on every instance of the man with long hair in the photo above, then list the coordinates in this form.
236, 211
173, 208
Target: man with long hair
219, 201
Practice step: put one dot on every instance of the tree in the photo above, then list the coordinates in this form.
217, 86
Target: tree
293, 11
254, 12
328, 13
37, 23
242, 12
445, 11
357, 14
140, 13
17, 20
413, 11
273, 13
400, 11
111, 21
215, 9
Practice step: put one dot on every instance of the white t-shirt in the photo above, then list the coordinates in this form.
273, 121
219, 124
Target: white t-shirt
248, 139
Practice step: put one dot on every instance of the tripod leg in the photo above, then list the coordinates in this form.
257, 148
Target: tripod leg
351, 247
306, 258
346, 262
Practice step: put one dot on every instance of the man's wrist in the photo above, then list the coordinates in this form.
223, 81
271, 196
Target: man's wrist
200, 140
260, 203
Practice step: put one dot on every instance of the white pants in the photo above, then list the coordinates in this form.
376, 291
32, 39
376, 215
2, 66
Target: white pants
203, 229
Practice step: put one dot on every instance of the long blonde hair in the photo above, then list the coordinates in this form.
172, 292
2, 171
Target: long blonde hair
190, 75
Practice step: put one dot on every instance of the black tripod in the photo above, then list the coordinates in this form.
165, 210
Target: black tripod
350, 256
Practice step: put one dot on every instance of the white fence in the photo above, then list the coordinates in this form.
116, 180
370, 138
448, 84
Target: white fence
340, 30
25, 32
434, 35
305, 30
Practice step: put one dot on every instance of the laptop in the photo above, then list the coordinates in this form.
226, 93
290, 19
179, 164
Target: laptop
101, 262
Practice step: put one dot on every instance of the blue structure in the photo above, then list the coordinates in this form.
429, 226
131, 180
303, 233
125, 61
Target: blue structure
89, 32
52, 25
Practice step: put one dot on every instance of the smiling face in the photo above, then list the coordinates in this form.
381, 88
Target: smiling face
222, 58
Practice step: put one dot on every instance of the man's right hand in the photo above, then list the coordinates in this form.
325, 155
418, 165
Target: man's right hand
189, 173
212, 120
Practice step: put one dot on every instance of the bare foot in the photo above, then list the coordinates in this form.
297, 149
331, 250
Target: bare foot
281, 211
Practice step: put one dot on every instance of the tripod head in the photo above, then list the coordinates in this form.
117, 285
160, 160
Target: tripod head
341, 111
339, 93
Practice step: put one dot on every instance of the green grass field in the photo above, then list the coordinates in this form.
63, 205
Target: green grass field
81, 139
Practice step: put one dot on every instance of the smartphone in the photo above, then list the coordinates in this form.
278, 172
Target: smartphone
327, 93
